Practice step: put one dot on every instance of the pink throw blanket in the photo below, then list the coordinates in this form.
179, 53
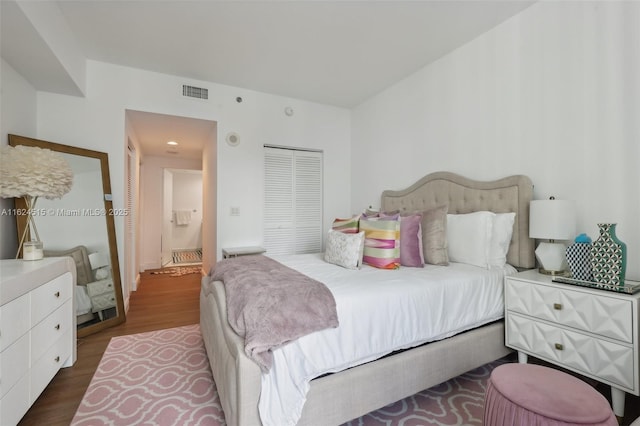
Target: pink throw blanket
270, 304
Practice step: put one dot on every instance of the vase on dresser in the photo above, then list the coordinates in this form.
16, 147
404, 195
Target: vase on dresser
579, 258
608, 256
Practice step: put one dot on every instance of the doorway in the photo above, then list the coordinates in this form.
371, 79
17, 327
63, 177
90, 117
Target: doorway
181, 240
150, 134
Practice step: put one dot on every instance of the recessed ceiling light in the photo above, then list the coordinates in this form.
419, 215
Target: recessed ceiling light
172, 143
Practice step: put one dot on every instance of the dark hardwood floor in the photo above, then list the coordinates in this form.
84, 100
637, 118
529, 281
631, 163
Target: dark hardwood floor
160, 302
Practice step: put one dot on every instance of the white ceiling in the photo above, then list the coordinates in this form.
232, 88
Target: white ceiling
332, 52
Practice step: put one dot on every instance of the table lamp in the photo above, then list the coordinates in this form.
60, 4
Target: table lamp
555, 221
32, 172
99, 264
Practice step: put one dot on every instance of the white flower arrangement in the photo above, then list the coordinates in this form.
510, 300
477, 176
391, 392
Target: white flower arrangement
33, 172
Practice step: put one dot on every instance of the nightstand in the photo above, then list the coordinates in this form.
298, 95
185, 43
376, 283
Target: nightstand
102, 296
591, 332
241, 251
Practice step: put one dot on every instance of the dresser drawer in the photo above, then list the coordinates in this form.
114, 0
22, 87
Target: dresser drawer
46, 367
15, 320
13, 364
50, 296
49, 330
15, 403
98, 287
603, 315
602, 359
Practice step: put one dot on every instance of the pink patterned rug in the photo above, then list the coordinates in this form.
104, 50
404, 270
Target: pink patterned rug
155, 378
163, 378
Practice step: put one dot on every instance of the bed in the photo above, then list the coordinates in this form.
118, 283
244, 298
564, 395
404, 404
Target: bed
341, 396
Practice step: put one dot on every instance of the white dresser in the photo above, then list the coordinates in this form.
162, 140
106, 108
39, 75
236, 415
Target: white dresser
37, 329
589, 331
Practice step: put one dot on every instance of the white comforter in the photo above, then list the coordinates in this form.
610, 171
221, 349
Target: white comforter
380, 311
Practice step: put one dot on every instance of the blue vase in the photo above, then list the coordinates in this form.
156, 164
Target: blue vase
608, 256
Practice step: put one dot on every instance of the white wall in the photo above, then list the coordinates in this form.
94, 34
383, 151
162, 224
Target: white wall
187, 195
17, 116
260, 120
553, 93
209, 202
98, 122
78, 217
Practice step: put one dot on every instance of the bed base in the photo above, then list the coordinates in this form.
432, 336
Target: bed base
339, 397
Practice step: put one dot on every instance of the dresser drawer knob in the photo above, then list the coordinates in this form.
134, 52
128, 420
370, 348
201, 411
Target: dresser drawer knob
557, 306
57, 294
559, 346
57, 327
57, 359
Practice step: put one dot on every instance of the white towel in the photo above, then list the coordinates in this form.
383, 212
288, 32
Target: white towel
183, 217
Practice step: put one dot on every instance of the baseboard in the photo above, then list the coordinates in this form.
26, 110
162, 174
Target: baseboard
150, 265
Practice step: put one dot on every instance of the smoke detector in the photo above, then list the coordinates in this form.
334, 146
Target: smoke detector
233, 139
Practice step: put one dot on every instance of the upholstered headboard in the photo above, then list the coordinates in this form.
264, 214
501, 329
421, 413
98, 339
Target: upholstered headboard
463, 195
80, 256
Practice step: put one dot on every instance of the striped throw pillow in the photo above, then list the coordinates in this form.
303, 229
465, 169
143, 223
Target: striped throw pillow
347, 226
381, 243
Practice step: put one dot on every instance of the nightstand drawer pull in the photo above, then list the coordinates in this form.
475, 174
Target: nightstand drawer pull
559, 346
57, 327
557, 306
57, 294
57, 359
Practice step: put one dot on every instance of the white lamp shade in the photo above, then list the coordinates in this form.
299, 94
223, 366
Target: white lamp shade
98, 260
552, 219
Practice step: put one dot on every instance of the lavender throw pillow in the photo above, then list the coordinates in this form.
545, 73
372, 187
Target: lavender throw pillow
411, 250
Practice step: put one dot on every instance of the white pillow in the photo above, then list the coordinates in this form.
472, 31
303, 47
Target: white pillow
501, 238
469, 237
344, 249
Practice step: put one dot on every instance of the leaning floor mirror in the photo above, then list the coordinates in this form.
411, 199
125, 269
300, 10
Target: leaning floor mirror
81, 225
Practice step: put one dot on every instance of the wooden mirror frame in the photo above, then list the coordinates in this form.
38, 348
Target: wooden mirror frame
20, 203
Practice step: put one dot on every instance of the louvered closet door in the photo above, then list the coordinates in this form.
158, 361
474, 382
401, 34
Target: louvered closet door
130, 221
293, 201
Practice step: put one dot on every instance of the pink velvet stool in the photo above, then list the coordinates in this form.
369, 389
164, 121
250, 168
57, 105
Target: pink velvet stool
527, 394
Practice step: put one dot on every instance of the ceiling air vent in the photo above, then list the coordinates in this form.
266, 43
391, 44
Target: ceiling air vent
195, 92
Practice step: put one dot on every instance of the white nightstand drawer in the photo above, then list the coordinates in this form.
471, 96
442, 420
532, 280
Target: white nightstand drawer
603, 315
601, 359
98, 287
104, 301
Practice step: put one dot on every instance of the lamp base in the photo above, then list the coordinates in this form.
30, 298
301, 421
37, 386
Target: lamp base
554, 273
551, 258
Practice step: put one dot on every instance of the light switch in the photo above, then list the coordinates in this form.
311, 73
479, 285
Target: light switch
235, 211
